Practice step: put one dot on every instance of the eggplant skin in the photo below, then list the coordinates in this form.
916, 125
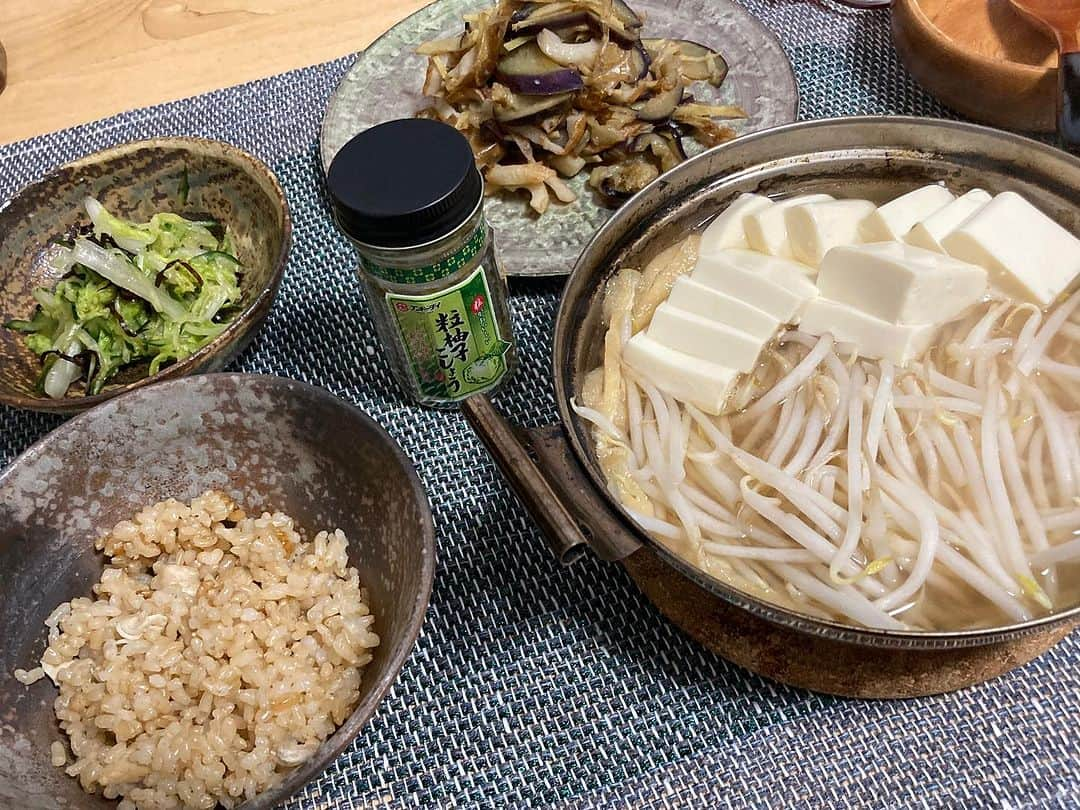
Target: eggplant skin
557, 82
530, 71
642, 59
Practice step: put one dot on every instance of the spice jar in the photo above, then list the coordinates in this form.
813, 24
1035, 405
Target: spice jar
409, 196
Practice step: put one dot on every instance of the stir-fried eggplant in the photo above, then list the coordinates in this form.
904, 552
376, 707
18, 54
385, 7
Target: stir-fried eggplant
664, 147
547, 89
620, 180
660, 106
698, 63
515, 106
530, 71
567, 53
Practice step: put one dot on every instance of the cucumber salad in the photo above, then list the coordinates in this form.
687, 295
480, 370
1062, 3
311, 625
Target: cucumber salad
129, 292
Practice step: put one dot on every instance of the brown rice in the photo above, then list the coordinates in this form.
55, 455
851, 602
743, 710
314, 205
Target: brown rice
218, 652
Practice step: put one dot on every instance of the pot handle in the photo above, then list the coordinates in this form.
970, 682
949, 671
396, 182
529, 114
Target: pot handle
548, 481
1069, 112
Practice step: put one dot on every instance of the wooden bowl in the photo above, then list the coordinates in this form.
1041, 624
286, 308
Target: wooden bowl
137, 180
982, 59
268, 442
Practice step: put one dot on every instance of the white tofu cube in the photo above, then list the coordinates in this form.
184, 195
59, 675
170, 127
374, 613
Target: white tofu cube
693, 296
781, 270
766, 230
1027, 254
728, 229
704, 338
816, 228
777, 286
900, 283
893, 220
930, 233
872, 337
686, 378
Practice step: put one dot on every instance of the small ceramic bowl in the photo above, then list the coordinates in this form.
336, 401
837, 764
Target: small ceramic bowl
268, 442
137, 180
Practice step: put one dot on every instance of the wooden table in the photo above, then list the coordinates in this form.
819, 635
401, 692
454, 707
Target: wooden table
72, 61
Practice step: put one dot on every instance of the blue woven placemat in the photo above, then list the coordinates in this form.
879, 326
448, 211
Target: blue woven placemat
536, 685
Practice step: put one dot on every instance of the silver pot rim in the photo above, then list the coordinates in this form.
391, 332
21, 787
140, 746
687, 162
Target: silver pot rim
908, 136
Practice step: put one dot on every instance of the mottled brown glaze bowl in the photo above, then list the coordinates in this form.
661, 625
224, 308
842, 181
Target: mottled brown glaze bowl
270, 443
137, 180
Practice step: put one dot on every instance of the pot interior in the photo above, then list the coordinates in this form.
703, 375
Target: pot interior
871, 158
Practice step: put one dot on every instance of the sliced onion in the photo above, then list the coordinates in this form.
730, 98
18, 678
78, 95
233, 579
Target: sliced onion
576, 54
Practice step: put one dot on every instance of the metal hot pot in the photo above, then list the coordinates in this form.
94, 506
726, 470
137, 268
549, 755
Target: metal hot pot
555, 473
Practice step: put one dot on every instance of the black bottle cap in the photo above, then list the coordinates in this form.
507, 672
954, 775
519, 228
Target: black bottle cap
404, 183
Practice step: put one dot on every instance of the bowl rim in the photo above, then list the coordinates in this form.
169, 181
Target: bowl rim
996, 66
336, 744
644, 207
239, 328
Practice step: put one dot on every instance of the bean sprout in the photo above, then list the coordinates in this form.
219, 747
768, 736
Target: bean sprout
864, 492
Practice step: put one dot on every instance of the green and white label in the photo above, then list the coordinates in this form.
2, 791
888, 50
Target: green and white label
446, 266
452, 338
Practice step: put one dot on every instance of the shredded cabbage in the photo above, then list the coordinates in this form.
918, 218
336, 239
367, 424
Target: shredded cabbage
156, 291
